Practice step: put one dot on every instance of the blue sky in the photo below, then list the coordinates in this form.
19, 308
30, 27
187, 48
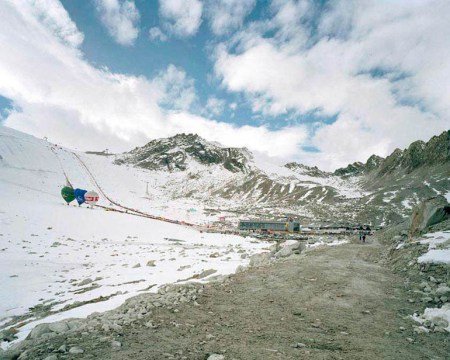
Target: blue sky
323, 83
193, 55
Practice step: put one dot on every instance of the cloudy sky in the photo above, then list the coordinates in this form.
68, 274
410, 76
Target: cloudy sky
321, 82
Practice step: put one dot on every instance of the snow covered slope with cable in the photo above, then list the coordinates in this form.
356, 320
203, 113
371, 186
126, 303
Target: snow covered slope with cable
70, 261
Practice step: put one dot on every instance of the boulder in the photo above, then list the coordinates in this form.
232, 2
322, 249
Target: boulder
429, 212
39, 330
8, 335
51, 357
260, 259
76, 350
288, 250
216, 357
59, 327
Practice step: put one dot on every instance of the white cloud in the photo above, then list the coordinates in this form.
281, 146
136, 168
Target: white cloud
177, 88
155, 34
121, 18
329, 72
281, 143
227, 15
181, 17
58, 94
53, 16
214, 106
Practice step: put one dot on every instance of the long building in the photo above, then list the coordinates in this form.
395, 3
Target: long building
270, 225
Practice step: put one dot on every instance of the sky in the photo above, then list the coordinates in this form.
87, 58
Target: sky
320, 82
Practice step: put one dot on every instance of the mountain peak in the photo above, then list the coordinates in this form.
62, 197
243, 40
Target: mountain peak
307, 170
418, 153
177, 153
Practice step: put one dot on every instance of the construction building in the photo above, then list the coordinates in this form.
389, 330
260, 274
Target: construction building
289, 225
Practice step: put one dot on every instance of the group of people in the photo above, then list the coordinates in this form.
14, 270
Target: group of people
363, 232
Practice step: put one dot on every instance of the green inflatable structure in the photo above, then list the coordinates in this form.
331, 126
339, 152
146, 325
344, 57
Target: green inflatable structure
68, 194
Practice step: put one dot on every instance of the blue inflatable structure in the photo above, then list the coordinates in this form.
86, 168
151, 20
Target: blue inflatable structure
79, 195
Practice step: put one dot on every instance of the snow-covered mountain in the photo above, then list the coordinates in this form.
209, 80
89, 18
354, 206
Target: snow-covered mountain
236, 182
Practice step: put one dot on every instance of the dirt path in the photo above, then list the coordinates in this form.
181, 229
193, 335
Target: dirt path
330, 303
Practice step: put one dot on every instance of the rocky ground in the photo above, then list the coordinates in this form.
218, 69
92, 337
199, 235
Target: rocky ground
341, 302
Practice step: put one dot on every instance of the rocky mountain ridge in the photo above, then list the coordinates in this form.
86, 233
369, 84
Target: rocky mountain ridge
175, 154
380, 191
434, 152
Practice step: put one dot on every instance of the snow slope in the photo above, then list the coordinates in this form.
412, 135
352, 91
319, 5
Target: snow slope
72, 260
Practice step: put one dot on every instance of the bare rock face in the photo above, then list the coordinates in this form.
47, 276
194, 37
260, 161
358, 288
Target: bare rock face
429, 212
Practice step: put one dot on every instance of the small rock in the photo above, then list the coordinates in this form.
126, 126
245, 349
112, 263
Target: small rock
22, 355
85, 282
411, 340
402, 328
151, 263
298, 345
442, 290
76, 350
204, 274
216, 357
421, 330
62, 349
150, 325
439, 322
51, 357
116, 344
138, 265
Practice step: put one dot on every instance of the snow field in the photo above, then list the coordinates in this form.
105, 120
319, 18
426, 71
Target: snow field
61, 259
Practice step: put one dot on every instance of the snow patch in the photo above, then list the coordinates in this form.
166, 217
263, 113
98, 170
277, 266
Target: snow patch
438, 248
435, 314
